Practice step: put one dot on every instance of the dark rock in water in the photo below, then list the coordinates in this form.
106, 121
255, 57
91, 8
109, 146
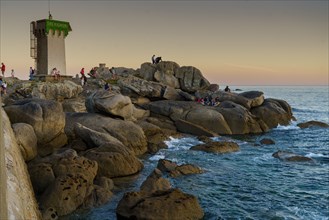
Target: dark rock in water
166, 165
217, 147
186, 169
310, 124
155, 182
164, 205
205, 139
289, 156
266, 141
174, 170
238, 90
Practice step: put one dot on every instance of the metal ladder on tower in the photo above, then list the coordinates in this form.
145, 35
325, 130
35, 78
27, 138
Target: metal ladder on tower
33, 41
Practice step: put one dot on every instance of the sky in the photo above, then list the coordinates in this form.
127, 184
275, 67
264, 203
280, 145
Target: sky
231, 42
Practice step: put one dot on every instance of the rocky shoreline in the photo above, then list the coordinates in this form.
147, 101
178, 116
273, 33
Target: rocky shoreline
75, 139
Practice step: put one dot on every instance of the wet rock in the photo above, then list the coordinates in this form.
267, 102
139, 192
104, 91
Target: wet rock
310, 124
165, 205
186, 169
217, 147
291, 157
267, 141
174, 170
155, 182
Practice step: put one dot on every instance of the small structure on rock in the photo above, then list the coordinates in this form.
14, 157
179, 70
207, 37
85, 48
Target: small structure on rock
47, 39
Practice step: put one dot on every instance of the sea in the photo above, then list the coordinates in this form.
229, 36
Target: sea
251, 183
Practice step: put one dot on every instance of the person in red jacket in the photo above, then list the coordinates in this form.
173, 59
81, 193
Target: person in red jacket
3, 69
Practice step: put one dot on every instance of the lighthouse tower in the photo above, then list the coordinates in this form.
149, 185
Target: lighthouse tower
48, 45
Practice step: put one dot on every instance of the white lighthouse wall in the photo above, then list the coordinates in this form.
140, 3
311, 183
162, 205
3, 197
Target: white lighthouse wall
56, 52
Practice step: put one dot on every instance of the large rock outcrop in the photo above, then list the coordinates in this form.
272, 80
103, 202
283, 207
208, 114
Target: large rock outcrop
274, 112
47, 119
142, 87
191, 79
157, 200
127, 132
64, 181
21, 201
113, 104
196, 119
26, 139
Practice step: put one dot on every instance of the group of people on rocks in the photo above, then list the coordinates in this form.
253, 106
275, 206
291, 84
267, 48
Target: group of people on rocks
156, 60
210, 101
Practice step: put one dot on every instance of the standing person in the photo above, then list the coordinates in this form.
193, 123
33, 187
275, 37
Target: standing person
12, 73
83, 77
227, 89
153, 59
31, 73
3, 69
4, 87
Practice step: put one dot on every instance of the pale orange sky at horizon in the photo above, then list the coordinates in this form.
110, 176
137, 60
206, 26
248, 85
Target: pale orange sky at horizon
231, 42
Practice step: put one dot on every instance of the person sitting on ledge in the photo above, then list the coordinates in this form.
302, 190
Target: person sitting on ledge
227, 89
55, 73
93, 73
157, 60
107, 87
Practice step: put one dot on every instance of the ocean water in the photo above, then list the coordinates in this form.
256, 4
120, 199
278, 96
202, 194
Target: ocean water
251, 184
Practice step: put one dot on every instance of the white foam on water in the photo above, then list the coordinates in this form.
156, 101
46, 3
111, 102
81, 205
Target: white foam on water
157, 157
315, 155
182, 143
291, 126
264, 157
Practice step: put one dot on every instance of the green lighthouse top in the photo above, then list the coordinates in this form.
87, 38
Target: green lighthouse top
58, 25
